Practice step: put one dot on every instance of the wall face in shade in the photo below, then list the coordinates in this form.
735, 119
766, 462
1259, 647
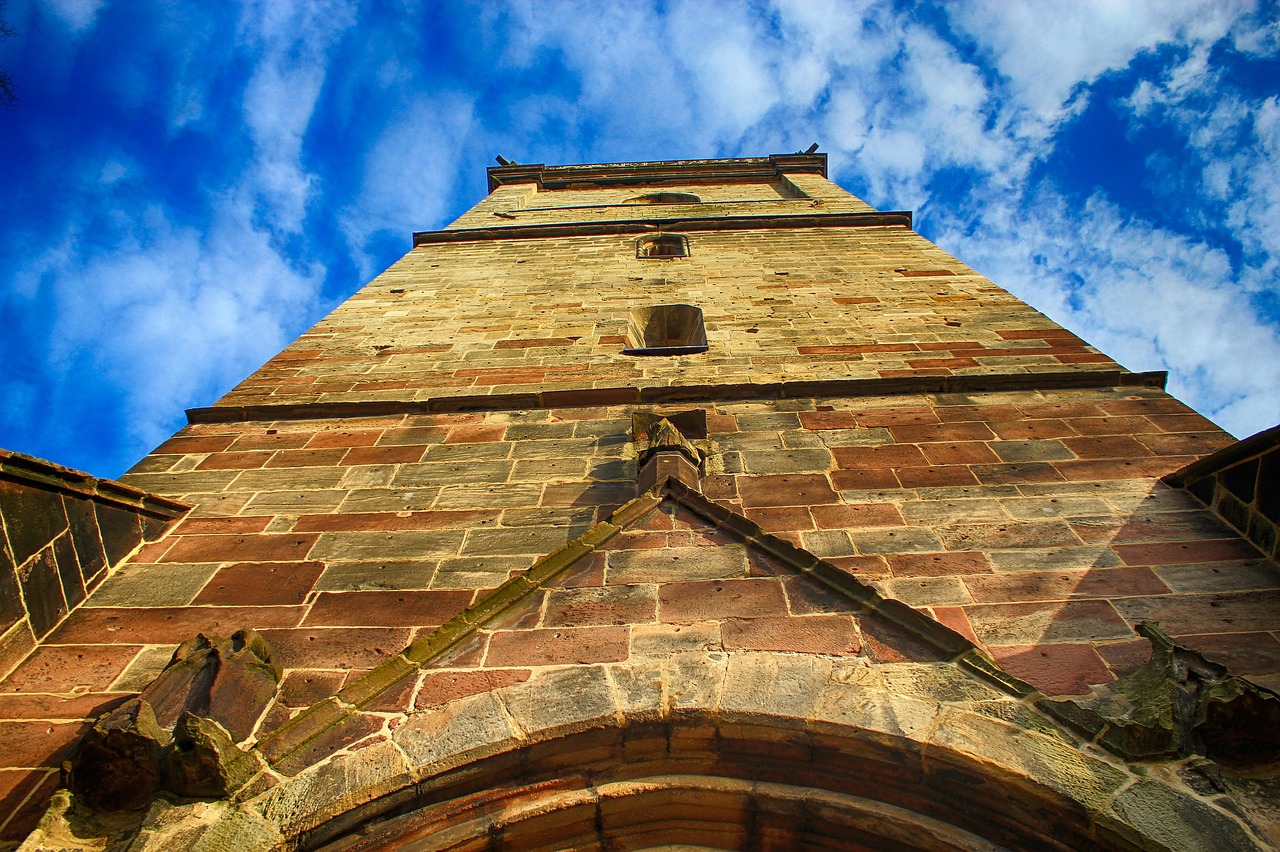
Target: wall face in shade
1022, 510
60, 533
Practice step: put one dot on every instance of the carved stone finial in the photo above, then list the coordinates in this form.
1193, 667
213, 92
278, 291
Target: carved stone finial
1177, 705
180, 733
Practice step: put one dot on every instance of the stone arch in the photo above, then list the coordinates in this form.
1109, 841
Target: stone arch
734, 751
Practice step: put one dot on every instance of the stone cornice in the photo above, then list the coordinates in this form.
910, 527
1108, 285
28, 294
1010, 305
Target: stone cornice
720, 171
591, 397
900, 218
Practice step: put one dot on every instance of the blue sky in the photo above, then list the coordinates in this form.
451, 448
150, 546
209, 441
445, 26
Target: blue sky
188, 186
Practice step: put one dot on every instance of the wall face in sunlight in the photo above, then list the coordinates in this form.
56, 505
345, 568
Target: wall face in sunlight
469, 420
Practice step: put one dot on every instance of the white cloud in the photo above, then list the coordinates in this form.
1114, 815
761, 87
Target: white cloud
409, 173
1151, 298
1046, 50
79, 16
293, 41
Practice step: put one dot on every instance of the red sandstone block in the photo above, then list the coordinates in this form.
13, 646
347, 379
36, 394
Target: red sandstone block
952, 431
857, 349
240, 548
441, 687
304, 687
1083, 358
864, 567
335, 647
478, 433
562, 646
1186, 443
1126, 425
223, 526
24, 785
892, 455
613, 339
279, 441
1058, 669
721, 424
817, 420
792, 489
854, 300
861, 480
964, 413
783, 518
1181, 423
952, 346
68, 668
297, 355
37, 743
386, 608
705, 600
927, 477
153, 552
1244, 653
1064, 585
1150, 406
1146, 468
260, 584
813, 634
166, 625
961, 452
407, 454
1059, 409
897, 416
1125, 656
1015, 430
938, 564
204, 444
1186, 552
1039, 334
235, 461
955, 618
1106, 447
307, 458
345, 438
857, 515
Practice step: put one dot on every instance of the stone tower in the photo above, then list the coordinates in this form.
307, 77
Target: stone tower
661, 503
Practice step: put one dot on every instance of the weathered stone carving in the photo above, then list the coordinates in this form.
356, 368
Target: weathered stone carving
657, 434
1178, 705
180, 733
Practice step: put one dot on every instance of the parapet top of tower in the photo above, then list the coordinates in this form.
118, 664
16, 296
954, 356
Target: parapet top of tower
673, 171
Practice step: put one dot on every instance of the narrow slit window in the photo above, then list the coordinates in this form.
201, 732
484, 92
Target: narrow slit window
666, 330
665, 198
663, 245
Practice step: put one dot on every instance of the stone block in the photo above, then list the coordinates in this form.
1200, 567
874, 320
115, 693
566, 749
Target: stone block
1042, 623
1040, 760
704, 600
557, 702
561, 646
670, 564
613, 604
773, 685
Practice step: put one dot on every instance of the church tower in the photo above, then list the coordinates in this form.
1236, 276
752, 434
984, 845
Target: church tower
674, 503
